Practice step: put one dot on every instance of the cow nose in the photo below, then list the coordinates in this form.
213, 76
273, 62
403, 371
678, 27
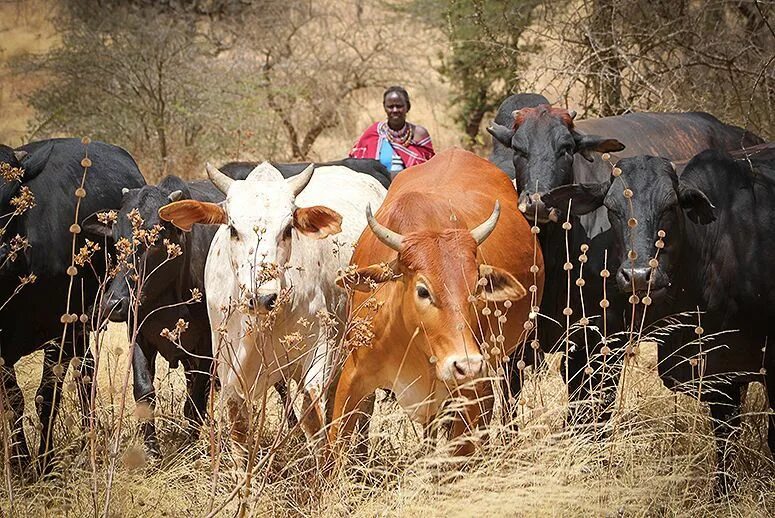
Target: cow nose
266, 302
464, 368
530, 208
629, 278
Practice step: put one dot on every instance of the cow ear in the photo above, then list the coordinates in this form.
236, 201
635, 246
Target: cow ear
500, 286
586, 197
183, 214
696, 205
501, 133
93, 227
586, 144
317, 222
366, 279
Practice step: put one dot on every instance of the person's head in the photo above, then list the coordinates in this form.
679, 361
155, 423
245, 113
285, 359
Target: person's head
395, 100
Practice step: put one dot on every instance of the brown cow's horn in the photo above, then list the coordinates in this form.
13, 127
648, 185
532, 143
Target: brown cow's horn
384, 234
220, 180
299, 182
484, 230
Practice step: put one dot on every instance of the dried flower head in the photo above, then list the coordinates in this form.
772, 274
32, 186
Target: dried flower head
11, 174
23, 201
86, 252
107, 218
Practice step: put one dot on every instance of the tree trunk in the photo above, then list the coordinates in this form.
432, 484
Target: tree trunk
607, 68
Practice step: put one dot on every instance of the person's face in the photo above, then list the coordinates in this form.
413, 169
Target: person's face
395, 108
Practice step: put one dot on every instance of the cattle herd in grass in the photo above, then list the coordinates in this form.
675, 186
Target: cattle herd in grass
573, 237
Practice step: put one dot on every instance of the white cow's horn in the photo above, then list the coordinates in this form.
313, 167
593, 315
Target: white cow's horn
299, 182
220, 180
384, 234
484, 230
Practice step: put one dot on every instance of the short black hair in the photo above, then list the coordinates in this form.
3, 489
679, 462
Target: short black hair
397, 90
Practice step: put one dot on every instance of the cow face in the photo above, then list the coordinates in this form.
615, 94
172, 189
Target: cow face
137, 218
262, 224
646, 207
544, 143
438, 287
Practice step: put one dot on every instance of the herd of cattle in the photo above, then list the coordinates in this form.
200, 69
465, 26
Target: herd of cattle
444, 287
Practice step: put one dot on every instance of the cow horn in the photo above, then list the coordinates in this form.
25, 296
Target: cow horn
484, 230
572, 114
20, 154
124, 191
220, 180
175, 195
384, 234
299, 182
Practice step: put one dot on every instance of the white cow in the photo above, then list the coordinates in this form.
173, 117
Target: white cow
271, 275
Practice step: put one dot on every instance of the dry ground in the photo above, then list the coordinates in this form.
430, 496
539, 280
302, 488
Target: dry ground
657, 461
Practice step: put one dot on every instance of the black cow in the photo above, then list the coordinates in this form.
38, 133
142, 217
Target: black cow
717, 223
550, 150
502, 155
33, 317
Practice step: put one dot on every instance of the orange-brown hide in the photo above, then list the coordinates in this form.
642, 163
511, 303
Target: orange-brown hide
433, 205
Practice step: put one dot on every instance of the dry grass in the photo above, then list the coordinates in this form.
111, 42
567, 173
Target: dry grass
658, 461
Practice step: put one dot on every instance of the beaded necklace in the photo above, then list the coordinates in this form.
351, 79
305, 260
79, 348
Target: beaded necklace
402, 136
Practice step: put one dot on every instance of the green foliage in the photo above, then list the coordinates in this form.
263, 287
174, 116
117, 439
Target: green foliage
486, 51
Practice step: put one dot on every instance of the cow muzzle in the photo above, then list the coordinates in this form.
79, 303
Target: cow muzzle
462, 368
116, 308
535, 210
262, 304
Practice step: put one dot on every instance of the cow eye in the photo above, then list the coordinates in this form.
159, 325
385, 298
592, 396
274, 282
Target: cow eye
423, 292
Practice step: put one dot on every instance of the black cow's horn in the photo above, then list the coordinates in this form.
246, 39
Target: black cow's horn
220, 180
384, 234
484, 230
175, 195
572, 114
20, 154
124, 191
299, 182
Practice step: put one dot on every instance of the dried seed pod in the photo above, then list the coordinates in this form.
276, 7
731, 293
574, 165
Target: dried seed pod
588, 370
522, 401
580, 282
632, 255
617, 171
535, 344
634, 299
632, 222
699, 330
502, 319
606, 156
584, 321
75, 228
521, 365
584, 248
432, 360
535, 230
661, 234
567, 312
659, 244
646, 300
85, 141
605, 350
605, 273
528, 325
604, 303
653, 263
567, 266
72, 271
535, 197
534, 269
693, 362
583, 258
497, 312
80, 192
486, 312
507, 304
533, 288
84, 318
39, 399
627, 193
567, 225
86, 162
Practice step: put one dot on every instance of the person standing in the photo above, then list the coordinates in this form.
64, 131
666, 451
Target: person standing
395, 142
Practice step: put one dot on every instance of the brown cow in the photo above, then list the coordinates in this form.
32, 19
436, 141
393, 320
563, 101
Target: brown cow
421, 282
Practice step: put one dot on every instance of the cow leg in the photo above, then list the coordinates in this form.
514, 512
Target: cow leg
353, 405
143, 373
198, 385
47, 399
14, 402
290, 414
725, 412
476, 415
